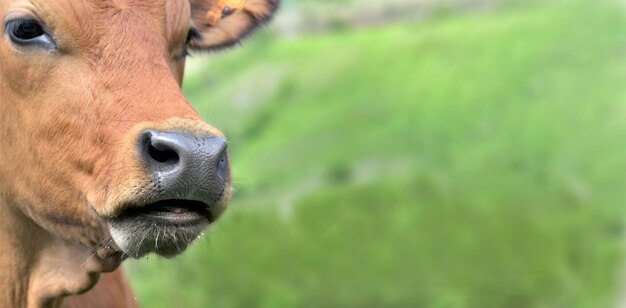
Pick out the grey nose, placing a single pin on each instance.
(185, 165)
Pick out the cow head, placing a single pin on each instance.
(98, 146)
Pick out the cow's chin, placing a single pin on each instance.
(165, 228)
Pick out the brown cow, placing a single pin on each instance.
(101, 156)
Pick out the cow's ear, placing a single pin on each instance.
(222, 23)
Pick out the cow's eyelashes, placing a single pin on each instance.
(29, 32)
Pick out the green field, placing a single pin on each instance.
(464, 161)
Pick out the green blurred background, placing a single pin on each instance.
(414, 153)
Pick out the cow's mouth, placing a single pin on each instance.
(177, 213)
(165, 227)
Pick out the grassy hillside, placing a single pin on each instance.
(473, 161)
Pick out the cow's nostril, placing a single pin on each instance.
(163, 154)
(222, 164)
(160, 152)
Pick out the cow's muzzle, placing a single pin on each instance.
(189, 175)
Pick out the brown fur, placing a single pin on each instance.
(69, 119)
(112, 291)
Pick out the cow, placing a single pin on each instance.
(101, 156)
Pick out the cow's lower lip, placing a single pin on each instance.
(165, 227)
(173, 212)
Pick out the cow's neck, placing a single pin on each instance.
(38, 269)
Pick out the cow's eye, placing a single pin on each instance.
(29, 32)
